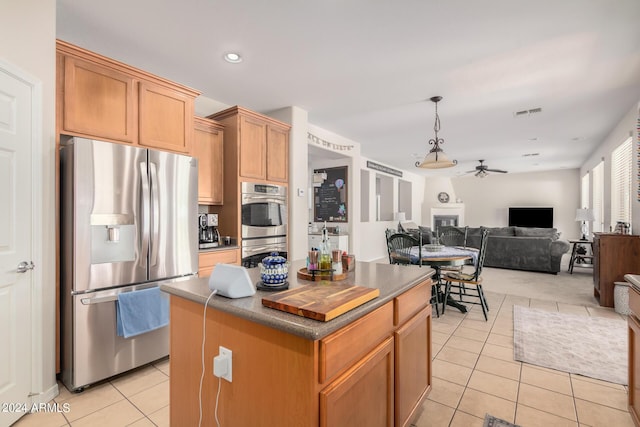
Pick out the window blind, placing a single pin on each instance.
(621, 166)
(598, 197)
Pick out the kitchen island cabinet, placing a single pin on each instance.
(634, 347)
(370, 366)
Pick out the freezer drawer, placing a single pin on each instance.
(92, 351)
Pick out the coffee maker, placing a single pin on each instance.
(208, 231)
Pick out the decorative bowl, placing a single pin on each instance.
(274, 270)
(433, 248)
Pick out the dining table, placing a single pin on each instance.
(443, 256)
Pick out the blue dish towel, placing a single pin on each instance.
(142, 311)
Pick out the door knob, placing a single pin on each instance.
(24, 266)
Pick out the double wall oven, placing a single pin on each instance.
(264, 221)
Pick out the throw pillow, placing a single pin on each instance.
(537, 232)
(427, 234)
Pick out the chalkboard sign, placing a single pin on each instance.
(330, 198)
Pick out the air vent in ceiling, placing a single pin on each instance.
(525, 113)
(530, 154)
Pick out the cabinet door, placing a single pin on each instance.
(253, 148)
(99, 102)
(413, 365)
(634, 368)
(166, 118)
(208, 260)
(277, 154)
(208, 149)
(363, 395)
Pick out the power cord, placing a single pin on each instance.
(204, 335)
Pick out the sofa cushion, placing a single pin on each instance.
(502, 231)
(537, 232)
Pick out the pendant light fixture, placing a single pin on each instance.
(435, 158)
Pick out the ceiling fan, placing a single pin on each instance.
(482, 170)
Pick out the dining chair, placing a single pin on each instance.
(468, 286)
(388, 233)
(453, 236)
(399, 246)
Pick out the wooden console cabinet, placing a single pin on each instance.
(614, 256)
(375, 371)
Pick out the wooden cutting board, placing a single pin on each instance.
(323, 301)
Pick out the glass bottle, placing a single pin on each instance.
(325, 250)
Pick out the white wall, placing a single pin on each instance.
(618, 135)
(487, 199)
(28, 32)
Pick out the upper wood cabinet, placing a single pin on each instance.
(208, 149)
(166, 118)
(100, 98)
(261, 144)
(99, 101)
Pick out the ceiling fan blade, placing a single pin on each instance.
(496, 170)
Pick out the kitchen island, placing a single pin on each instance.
(370, 366)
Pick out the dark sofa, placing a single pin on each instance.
(516, 248)
(521, 248)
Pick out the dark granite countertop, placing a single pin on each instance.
(391, 280)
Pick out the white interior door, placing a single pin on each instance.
(15, 245)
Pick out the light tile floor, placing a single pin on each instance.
(473, 373)
(139, 398)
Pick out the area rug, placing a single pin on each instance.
(491, 421)
(592, 346)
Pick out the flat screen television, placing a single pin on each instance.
(531, 217)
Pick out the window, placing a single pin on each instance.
(621, 166)
(584, 192)
(598, 197)
(584, 196)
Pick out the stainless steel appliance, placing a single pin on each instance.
(208, 231)
(127, 223)
(264, 221)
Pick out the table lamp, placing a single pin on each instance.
(584, 215)
(401, 216)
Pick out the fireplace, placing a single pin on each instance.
(444, 220)
(447, 214)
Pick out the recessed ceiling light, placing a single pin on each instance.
(232, 57)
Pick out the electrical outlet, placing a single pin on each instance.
(222, 364)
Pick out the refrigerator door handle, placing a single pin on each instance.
(98, 300)
(145, 213)
(156, 213)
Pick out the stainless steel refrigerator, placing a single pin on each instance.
(128, 222)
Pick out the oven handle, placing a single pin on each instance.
(248, 251)
(247, 200)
